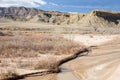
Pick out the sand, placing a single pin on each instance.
(90, 39)
(102, 64)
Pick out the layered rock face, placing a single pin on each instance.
(60, 18)
(18, 11)
(111, 17)
(95, 18)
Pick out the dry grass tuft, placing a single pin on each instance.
(33, 45)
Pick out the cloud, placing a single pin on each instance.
(87, 6)
(26, 3)
(53, 4)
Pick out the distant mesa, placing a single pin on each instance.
(18, 11)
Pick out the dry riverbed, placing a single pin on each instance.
(93, 67)
(101, 64)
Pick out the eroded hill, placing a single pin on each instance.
(95, 18)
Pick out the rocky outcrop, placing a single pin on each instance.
(94, 19)
(18, 13)
(110, 16)
(59, 18)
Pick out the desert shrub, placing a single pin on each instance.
(42, 65)
(8, 74)
(33, 45)
(2, 34)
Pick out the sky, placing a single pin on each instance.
(82, 6)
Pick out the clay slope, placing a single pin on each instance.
(94, 19)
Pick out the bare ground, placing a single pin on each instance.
(102, 64)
